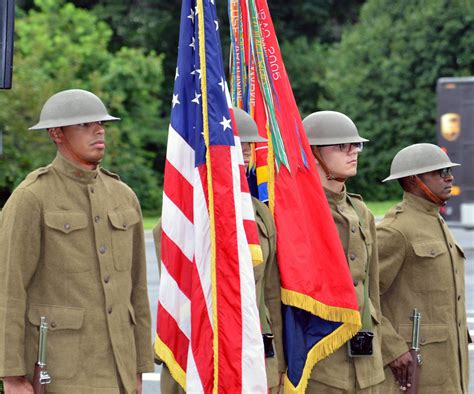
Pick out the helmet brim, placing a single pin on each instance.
(423, 170)
(41, 125)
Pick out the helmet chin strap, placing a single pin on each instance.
(431, 196)
(325, 168)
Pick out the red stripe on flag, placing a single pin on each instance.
(176, 263)
(202, 336)
(179, 190)
(227, 275)
(172, 336)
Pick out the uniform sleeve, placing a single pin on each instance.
(140, 300)
(392, 250)
(157, 239)
(374, 290)
(20, 237)
(273, 303)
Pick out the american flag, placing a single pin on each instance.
(208, 327)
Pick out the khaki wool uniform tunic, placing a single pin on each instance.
(267, 279)
(72, 249)
(340, 373)
(422, 266)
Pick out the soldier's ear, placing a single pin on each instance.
(56, 134)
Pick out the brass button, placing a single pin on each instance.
(356, 282)
(352, 256)
(53, 324)
(353, 228)
(103, 249)
(67, 226)
(92, 189)
(109, 310)
(432, 252)
(125, 225)
(97, 219)
(107, 279)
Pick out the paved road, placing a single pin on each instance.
(151, 384)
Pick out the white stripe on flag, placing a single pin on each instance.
(247, 207)
(253, 361)
(180, 155)
(240, 156)
(202, 251)
(178, 227)
(193, 380)
(175, 302)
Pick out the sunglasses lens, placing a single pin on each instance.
(446, 172)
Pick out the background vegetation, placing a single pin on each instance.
(376, 60)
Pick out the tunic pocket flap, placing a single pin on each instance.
(123, 219)
(132, 315)
(460, 250)
(66, 221)
(58, 317)
(430, 333)
(429, 248)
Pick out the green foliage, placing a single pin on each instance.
(306, 68)
(59, 46)
(383, 75)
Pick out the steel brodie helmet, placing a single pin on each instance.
(330, 128)
(71, 107)
(248, 131)
(418, 159)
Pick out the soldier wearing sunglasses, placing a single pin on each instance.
(422, 266)
(356, 366)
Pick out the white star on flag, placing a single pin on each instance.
(191, 15)
(222, 84)
(196, 98)
(217, 25)
(193, 45)
(175, 100)
(196, 70)
(176, 74)
(225, 123)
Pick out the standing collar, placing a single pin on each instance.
(420, 204)
(335, 198)
(64, 166)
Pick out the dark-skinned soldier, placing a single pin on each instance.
(267, 277)
(422, 266)
(335, 143)
(72, 250)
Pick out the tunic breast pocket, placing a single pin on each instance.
(431, 266)
(66, 241)
(123, 222)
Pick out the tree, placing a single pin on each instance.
(383, 75)
(59, 46)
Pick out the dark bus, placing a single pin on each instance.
(455, 128)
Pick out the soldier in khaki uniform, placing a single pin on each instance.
(267, 276)
(335, 143)
(422, 266)
(72, 250)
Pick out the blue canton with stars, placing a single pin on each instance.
(186, 113)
